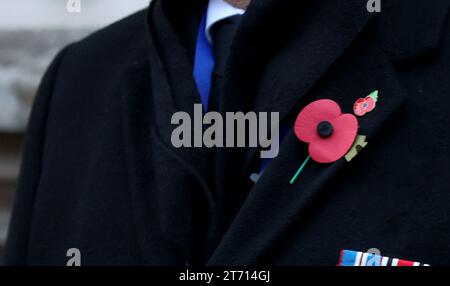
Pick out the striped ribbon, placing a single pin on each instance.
(358, 258)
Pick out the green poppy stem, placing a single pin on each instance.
(299, 170)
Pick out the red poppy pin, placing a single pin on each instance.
(330, 133)
(365, 105)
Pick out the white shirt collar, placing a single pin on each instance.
(219, 10)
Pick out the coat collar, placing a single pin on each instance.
(164, 181)
(173, 87)
(316, 32)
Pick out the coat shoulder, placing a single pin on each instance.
(88, 86)
(111, 48)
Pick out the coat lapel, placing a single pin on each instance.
(270, 78)
(169, 189)
(329, 57)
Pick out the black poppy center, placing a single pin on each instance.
(325, 129)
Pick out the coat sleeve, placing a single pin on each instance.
(17, 243)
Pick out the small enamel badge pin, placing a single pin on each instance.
(330, 133)
(366, 105)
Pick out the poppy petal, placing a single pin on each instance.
(345, 128)
(320, 110)
(359, 108)
(370, 103)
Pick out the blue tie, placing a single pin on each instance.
(203, 64)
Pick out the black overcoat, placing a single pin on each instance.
(100, 173)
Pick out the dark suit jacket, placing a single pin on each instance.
(100, 173)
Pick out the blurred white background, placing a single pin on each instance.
(31, 33)
(26, 14)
